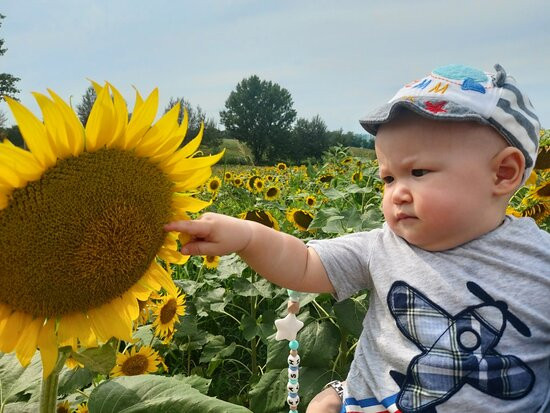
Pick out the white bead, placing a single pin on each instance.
(293, 360)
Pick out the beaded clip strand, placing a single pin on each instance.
(287, 329)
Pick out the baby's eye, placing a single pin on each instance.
(387, 179)
(419, 172)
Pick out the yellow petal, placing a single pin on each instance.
(21, 161)
(186, 151)
(172, 257)
(131, 305)
(33, 132)
(47, 344)
(193, 180)
(141, 292)
(121, 118)
(108, 321)
(156, 136)
(141, 120)
(190, 164)
(187, 203)
(138, 102)
(72, 328)
(26, 346)
(162, 277)
(75, 130)
(13, 326)
(101, 125)
(55, 125)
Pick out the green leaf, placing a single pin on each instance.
(333, 193)
(154, 394)
(249, 327)
(72, 379)
(209, 300)
(216, 348)
(16, 382)
(229, 266)
(319, 343)
(350, 314)
(202, 384)
(244, 288)
(100, 360)
(189, 287)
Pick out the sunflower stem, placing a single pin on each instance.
(48, 392)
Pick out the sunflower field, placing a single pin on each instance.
(122, 321)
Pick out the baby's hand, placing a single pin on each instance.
(213, 234)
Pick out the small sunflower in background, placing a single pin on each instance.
(251, 181)
(281, 166)
(82, 408)
(63, 407)
(72, 363)
(258, 185)
(326, 178)
(136, 362)
(82, 214)
(347, 160)
(301, 219)
(167, 314)
(210, 261)
(311, 200)
(357, 176)
(261, 216)
(270, 178)
(237, 182)
(228, 176)
(213, 185)
(272, 193)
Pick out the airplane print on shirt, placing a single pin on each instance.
(456, 350)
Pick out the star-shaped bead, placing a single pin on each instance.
(288, 327)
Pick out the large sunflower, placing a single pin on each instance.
(82, 214)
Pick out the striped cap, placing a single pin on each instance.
(462, 93)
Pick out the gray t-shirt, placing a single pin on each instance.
(461, 330)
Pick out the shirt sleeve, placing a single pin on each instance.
(346, 261)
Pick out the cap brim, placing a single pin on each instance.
(391, 110)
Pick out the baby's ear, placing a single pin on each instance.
(508, 168)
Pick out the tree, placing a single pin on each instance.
(212, 137)
(7, 81)
(309, 139)
(260, 114)
(84, 108)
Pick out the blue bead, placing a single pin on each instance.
(293, 381)
(293, 345)
(293, 411)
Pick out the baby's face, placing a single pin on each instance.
(437, 180)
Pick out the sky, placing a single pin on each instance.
(338, 60)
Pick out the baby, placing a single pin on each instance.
(458, 317)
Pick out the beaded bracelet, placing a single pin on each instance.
(287, 329)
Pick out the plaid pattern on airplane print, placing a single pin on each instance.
(455, 350)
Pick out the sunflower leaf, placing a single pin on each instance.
(19, 383)
(154, 394)
(72, 379)
(100, 360)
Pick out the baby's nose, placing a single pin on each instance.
(401, 194)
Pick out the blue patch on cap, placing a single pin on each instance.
(471, 84)
(460, 72)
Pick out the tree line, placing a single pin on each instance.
(258, 113)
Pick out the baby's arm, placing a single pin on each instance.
(280, 258)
